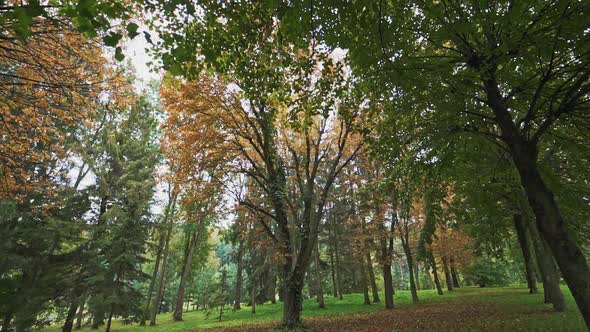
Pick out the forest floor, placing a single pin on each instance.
(465, 309)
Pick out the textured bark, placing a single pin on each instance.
(333, 272)
(161, 285)
(525, 245)
(338, 276)
(253, 291)
(417, 274)
(240, 267)
(454, 274)
(410, 261)
(386, 242)
(69, 322)
(192, 247)
(435, 274)
(549, 220)
(161, 241)
(319, 289)
(447, 273)
(109, 321)
(80, 315)
(364, 281)
(293, 303)
(388, 286)
(372, 280)
(549, 272)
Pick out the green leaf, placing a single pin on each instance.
(24, 22)
(119, 54)
(176, 69)
(132, 30)
(112, 39)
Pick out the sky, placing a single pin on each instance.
(135, 53)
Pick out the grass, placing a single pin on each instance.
(465, 309)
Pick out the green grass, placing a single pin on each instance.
(509, 308)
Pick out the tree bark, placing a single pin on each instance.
(177, 316)
(410, 261)
(435, 274)
(109, 321)
(161, 286)
(80, 315)
(386, 256)
(454, 274)
(549, 272)
(549, 220)
(69, 322)
(364, 281)
(319, 289)
(447, 274)
(333, 272)
(253, 295)
(525, 245)
(417, 274)
(338, 274)
(238, 290)
(372, 280)
(293, 298)
(388, 286)
(146, 312)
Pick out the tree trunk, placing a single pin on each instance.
(372, 280)
(238, 290)
(146, 312)
(364, 281)
(417, 275)
(435, 274)
(253, 295)
(549, 272)
(454, 274)
(108, 329)
(388, 286)
(177, 316)
(333, 271)
(161, 286)
(80, 315)
(549, 220)
(69, 322)
(410, 261)
(319, 289)
(447, 274)
(338, 276)
(525, 245)
(293, 298)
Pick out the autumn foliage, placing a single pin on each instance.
(51, 84)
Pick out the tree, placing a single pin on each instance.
(516, 74)
(40, 106)
(52, 88)
(264, 136)
(125, 163)
(522, 68)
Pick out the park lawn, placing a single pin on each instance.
(465, 309)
